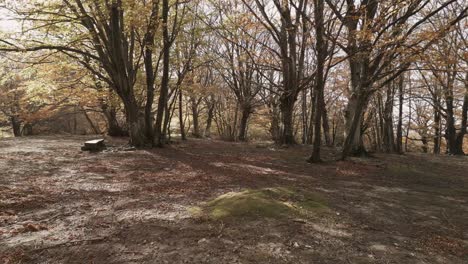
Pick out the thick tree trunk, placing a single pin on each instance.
(354, 144)
(245, 115)
(16, 126)
(388, 136)
(136, 126)
(287, 130)
(451, 131)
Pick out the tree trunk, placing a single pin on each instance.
(326, 126)
(246, 111)
(451, 131)
(354, 144)
(148, 62)
(16, 126)
(162, 102)
(313, 100)
(437, 123)
(305, 119)
(388, 136)
(209, 120)
(425, 147)
(195, 117)
(399, 137)
(464, 122)
(410, 112)
(114, 128)
(181, 117)
(136, 126)
(166, 123)
(287, 112)
(319, 82)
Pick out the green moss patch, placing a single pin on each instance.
(261, 203)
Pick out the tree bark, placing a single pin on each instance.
(149, 70)
(326, 126)
(354, 144)
(136, 126)
(209, 119)
(195, 117)
(320, 81)
(399, 137)
(305, 118)
(245, 115)
(464, 122)
(181, 117)
(162, 102)
(287, 112)
(437, 123)
(451, 136)
(16, 126)
(388, 136)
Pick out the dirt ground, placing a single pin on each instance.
(61, 205)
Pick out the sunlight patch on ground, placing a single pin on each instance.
(390, 189)
(250, 168)
(379, 247)
(331, 231)
(143, 214)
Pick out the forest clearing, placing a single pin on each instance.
(61, 205)
(234, 131)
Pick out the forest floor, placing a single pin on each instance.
(204, 201)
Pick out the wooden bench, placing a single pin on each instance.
(94, 145)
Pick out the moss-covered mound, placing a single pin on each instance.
(268, 202)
